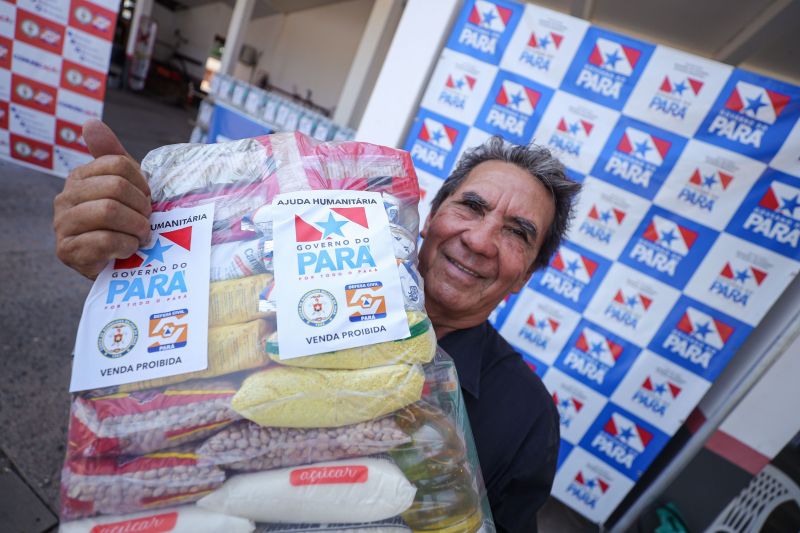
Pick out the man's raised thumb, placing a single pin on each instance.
(100, 140)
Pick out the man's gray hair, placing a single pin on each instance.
(539, 163)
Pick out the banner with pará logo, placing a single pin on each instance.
(687, 229)
(54, 57)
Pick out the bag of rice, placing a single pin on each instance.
(369, 436)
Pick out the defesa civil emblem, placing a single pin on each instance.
(317, 308)
(117, 338)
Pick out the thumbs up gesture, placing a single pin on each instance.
(103, 212)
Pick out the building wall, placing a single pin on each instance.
(166, 28)
(766, 419)
(309, 49)
(264, 35)
(198, 25)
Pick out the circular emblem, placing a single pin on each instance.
(24, 91)
(74, 77)
(23, 149)
(68, 135)
(317, 308)
(83, 15)
(30, 28)
(117, 338)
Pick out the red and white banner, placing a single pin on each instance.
(54, 57)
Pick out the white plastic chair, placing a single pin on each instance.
(748, 512)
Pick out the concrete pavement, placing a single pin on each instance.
(41, 302)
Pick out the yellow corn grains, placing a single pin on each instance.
(230, 349)
(415, 349)
(309, 398)
(236, 301)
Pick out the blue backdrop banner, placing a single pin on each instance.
(229, 124)
(687, 229)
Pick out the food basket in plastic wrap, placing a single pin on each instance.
(370, 438)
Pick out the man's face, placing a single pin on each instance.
(481, 243)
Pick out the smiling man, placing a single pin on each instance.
(498, 218)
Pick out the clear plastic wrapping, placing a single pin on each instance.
(367, 439)
(142, 422)
(124, 484)
(247, 446)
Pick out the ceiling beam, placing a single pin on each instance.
(582, 9)
(242, 13)
(770, 23)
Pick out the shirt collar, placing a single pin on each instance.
(466, 347)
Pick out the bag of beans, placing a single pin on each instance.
(247, 446)
(127, 484)
(151, 420)
(359, 438)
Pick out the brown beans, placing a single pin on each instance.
(143, 422)
(125, 485)
(247, 446)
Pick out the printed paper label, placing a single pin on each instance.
(329, 475)
(146, 316)
(337, 284)
(160, 523)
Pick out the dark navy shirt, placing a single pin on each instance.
(514, 422)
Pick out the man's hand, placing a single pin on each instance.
(103, 212)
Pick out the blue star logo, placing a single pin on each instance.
(331, 226)
(517, 99)
(605, 216)
(544, 42)
(591, 483)
(460, 84)
(572, 266)
(754, 104)
(679, 88)
(565, 403)
(612, 59)
(626, 434)
(541, 324)
(660, 388)
(488, 17)
(632, 301)
(642, 148)
(436, 136)
(596, 348)
(790, 204)
(742, 275)
(667, 237)
(573, 128)
(156, 253)
(702, 330)
(709, 181)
